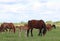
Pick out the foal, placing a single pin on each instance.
(22, 28)
(49, 27)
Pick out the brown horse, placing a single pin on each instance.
(22, 28)
(49, 27)
(6, 26)
(38, 24)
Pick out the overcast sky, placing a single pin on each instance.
(24, 10)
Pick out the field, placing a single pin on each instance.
(53, 35)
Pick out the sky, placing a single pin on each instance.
(24, 10)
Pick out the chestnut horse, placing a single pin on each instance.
(49, 26)
(22, 28)
(5, 26)
(38, 24)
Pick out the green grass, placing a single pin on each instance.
(53, 35)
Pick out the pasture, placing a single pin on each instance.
(53, 35)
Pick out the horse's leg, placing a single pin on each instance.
(25, 32)
(31, 32)
(12, 30)
(9, 30)
(19, 31)
(28, 32)
(44, 31)
(3, 30)
(40, 32)
(6, 30)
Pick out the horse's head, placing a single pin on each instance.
(1, 29)
(54, 26)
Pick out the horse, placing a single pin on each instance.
(49, 27)
(37, 24)
(22, 28)
(6, 26)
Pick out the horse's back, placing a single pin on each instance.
(7, 25)
(36, 23)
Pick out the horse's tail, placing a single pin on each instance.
(44, 29)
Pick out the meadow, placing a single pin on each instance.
(53, 35)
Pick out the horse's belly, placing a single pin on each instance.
(36, 27)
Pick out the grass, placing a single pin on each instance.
(53, 35)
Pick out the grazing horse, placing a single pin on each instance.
(38, 24)
(22, 28)
(49, 26)
(6, 26)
